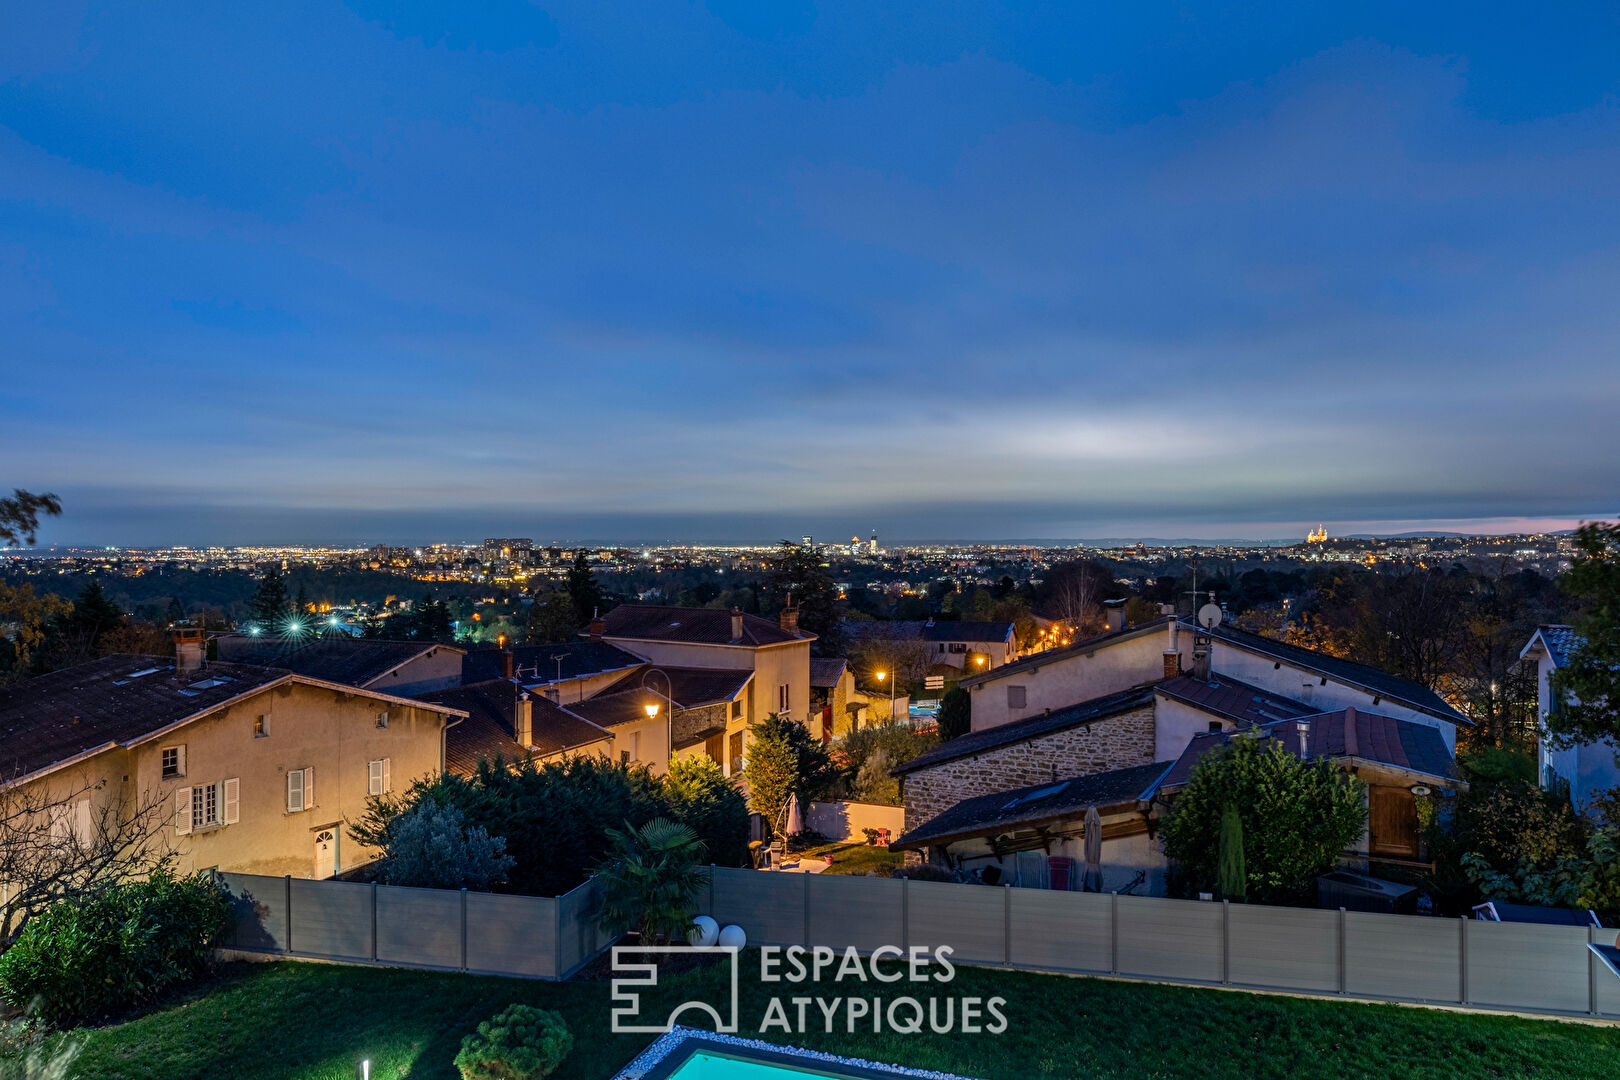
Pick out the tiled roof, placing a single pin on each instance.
(825, 672)
(1079, 648)
(351, 661)
(1364, 675)
(536, 665)
(1561, 642)
(977, 742)
(690, 725)
(697, 626)
(690, 687)
(1345, 734)
(1230, 698)
(487, 732)
(1037, 804)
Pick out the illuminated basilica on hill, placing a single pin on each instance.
(1317, 535)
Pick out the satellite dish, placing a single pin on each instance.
(1209, 616)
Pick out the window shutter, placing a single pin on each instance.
(374, 778)
(309, 788)
(81, 826)
(232, 798)
(295, 790)
(182, 758)
(388, 779)
(182, 811)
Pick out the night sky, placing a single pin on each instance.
(734, 271)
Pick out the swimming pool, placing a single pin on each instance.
(688, 1054)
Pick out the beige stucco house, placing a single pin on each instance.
(255, 769)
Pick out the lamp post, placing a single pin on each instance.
(652, 708)
(881, 677)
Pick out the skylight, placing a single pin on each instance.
(1036, 795)
(143, 671)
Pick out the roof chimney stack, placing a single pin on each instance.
(189, 647)
(789, 617)
(1304, 727)
(736, 623)
(523, 720)
(597, 626)
(1115, 610)
(506, 664)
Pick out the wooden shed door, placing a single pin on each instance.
(1393, 822)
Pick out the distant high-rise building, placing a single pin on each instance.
(808, 541)
(871, 546)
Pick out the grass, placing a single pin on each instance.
(295, 1021)
(856, 857)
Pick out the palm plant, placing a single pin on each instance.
(651, 879)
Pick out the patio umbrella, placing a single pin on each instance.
(794, 825)
(1093, 878)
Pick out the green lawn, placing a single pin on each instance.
(858, 857)
(293, 1021)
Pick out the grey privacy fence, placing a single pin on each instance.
(1545, 969)
(528, 936)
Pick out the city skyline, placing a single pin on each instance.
(720, 273)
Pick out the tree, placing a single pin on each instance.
(60, 845)
(1296, 817)
(19, 516)
(784, 762)
(432, 847)
(1232, 878)
(1587, 688)
(30, 617)
(79, 631)
(583, 591)
(651, 879)
(701, 796)
(955, 714)
(269, 607)
(796, 573)
(551, 619)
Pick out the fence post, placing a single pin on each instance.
(1591, 972)
(1006, 923)
(1344, 976)
(556, 939)
(905, 915)
(1226, 943)
(463, 929)
(373, 922)
(1113, 933)
(1462, 960)
(288, 881)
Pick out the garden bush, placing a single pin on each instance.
(119, 949)
(518, 1043)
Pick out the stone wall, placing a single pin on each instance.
(1114, 742)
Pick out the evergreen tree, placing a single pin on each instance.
(301, 605)
(551, 619)
(430, 621)
(796, 573)
(784, 760)
(583, 591)
(1232, 879)
(955, 714)
(269, 606)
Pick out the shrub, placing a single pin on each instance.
(1296, 818)
(651, 881)
(91, 958)
(431, 847)
(955, 714)
(703, 798)
(867, 754)
(518, 1043)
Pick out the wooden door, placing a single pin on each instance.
(1393, 822)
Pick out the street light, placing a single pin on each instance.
(652, 710)
(881, 676)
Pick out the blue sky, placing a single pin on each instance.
(734, 271)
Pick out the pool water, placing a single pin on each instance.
(715, 1067)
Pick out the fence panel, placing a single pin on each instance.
(512, 935)
(581, 938)
(1169, 939)
(1523, 966)
(1283, 948)
(970, 919)
(1607, 986)
(331, 919)
(419, 926)
(1402, 956)
(1062, 931)
(259, 918)
(769, 913)
(860, 911)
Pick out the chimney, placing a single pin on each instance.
(789, 618)
(597, 626)
(1304, 728)
(1115, 610)
(736, 624)
(1172, 663)
(506, 664)
(188, 648)
(523, 720)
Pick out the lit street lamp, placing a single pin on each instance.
(881, 676)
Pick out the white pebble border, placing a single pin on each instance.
(665, 1044)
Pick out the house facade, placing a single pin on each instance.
(255, 770)
(1588, 768)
